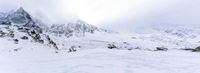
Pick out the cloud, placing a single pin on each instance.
(163, 12)
(121, 15)
(51, 11)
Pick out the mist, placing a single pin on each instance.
(159, 13)
(49, 11)
(119, 15)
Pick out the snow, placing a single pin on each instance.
(88, 36)
(133, 53)
(100, 61)
(95, 57)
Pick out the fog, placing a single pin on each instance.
(51, 11)
(119, 15)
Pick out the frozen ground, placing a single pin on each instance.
(100, 61)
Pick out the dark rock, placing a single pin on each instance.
(197, 49)
(126, 43)
(2, 34)
(16, 41)
(189, 49)
(51, 42)
(16, 49)
(111, 46)
(130, 49)
(79, 46)
(24, 37)
(5, 23)
(161, 49)
(56, 52)
(137, 48)
(33, 32)
(72, 49)
(41, 41)
(11, 34)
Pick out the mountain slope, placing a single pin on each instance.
(80, 35)
(24, 27)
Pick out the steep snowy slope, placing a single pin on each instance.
(16, 38)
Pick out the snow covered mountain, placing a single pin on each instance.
(19, 28)
(21, 18)
(27, 45)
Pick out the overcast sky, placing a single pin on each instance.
(114, 14)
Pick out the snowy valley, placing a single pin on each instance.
(31, 46)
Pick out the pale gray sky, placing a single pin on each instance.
(114, 14)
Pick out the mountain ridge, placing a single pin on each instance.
(20, 27)
(22, 18)
(81, 35)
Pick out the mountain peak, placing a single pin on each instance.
(21, 9)
(20, 16)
